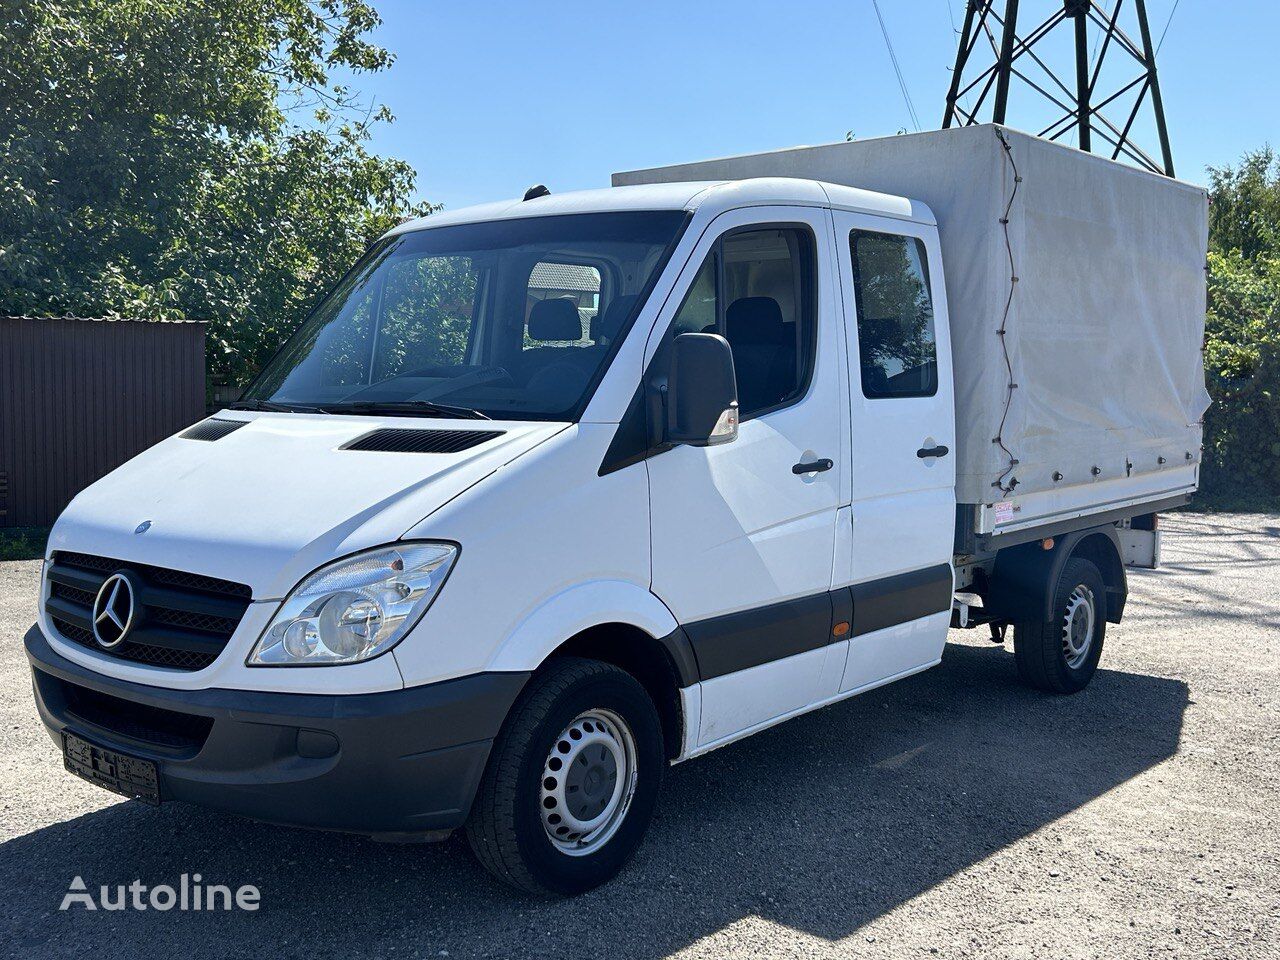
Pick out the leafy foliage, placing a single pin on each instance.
(427, 309)
(420, 306)
(1242, 336)
(23, 543)
(189, 159)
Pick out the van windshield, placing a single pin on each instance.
(511, 319)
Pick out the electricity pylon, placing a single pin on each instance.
(1018, 54)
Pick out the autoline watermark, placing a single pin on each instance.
(190, 893)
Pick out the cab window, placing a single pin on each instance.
(895, 315)
(757, 290)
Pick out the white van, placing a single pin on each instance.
(548, 494)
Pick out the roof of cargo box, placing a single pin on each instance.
(707, 196)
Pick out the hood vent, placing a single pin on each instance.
(213, 429)
(392, 440)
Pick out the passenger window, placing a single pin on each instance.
(566, 322)
(757, 290)
(895, 316)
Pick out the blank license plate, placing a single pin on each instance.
(117, 772)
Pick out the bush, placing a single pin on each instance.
(23, 543)
(1242, 337)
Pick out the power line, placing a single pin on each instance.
(1097, 36)
(1167, 24)
(896, 68)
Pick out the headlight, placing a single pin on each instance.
(355, 608)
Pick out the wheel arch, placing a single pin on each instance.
(616, 622)
(1023, 581)
(1102, 548)
(655, 663)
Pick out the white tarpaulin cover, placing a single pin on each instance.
(1106, 324)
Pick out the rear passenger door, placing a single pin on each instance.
(898, 543)
(743, 533)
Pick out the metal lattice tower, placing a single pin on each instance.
(1017, 55)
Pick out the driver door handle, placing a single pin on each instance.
(926, 452)
(813, 466)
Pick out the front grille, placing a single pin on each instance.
(182, 620)
(137, 721)
(83, 597)
(161, 575)
(223, 626)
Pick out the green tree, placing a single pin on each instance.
(191, 159)
(1242, 335)
(1244, 212)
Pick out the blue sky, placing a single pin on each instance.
(491, 97)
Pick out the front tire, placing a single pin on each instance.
(572, 782)
(1061, 655)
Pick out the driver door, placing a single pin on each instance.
(744, 533)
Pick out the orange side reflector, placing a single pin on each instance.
(1047, 543)
(840, 629)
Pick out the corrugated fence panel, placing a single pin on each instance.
(80, 397)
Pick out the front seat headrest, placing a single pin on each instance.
(606, 325)
(755, 320)
(555, 319)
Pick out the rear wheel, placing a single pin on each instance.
(572, 781)
(1061, 655)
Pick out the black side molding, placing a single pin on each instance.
(887, 602)
(748, 638)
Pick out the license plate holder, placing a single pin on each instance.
(112, 770)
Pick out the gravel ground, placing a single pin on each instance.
(954, 814)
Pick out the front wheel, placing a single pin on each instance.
(1060, 655)
(572, 781)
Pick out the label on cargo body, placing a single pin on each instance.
(1005, 511)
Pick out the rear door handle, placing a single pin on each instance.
(925, 453)
(813, 466)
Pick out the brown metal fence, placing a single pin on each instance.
(80, 397)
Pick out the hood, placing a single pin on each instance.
(272, 500)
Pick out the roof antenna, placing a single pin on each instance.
(536, 191)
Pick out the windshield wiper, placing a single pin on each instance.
(272, 406)
(406, 408)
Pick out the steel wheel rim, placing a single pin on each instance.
(588, 782)
(1078, 626)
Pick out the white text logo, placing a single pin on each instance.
(189, 894)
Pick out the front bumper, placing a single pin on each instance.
(399, 765)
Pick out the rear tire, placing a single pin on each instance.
(1061, 655)
(572, 782)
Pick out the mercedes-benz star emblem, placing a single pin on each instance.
(113, 611)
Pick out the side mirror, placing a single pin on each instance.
(702, 391)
